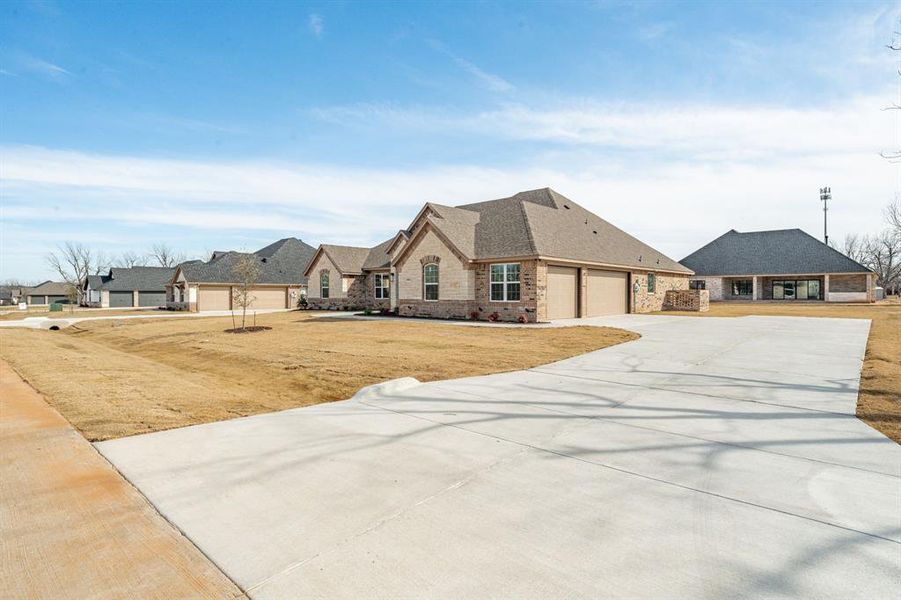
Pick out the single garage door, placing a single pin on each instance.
(562, 292)
(120, 299)
(268, 298)
(607, 293)
(212, 298)
(151, 298)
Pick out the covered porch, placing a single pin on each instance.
(822, 287)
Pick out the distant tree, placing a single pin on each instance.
(247, 272)
(73, 262)
(894, 46)
(130, 259)
(880, 252)
(165, 256)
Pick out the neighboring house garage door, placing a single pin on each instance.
(562, 292)
(268, 298)
(151, 298)
(214, 298)
(119, 299)
(54, 299)
(607, 293)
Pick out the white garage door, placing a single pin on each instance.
(562, 292)
(607, 293)
(214, 298)
(268, 298)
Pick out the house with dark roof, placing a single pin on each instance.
(49, 292)
(200, 286)
(534, 256)
(126, 287)
(780, 265)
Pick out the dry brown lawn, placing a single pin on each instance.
(117, 378)
(879, 400)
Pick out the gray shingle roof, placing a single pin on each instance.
(348, 259)
(49, 288)
(544, 223)
(145, 279)
(282, 262)
(778, 252)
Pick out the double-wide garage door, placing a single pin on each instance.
(219, 298)
(606, 293)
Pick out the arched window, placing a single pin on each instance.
(430, 282)
(323, 284)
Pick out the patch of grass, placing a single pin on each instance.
(118, 378)
(879, 400)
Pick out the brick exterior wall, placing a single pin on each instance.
(480, 305)
(692, 300)
(643, 302)
(848, 283)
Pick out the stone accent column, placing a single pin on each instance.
(826, 288)
(755, 294)
(135, 300)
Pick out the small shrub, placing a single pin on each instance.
(384, 311)
(367, 311)
(474, 315)
(493, 317)
(522, 319)
(302, 303)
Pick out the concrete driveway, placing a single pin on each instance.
(712, 457)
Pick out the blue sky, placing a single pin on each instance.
(229, 125)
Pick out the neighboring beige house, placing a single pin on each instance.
(50, 292)
(535, 256)
(210, 285)
(127, 287)
(779, 265)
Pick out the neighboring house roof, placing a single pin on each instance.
(50, 288)
(541, 223)
(282, 262)
(778, 252)
(127, 279)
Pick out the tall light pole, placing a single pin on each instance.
(825, 197)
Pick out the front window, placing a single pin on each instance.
(323, 285)
(382, 284)
(742, 287)
(697, 284)
(796, 289)
(652, 283)
(430, 282)
(505, 283)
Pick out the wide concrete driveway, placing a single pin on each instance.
(712, 457)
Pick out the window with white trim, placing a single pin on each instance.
(430, 282)
(323, 285)
(382, 283)
(505, 283)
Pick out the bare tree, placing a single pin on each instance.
(892, 214)
(130, 259)
(893, 156)
(165, 256)
(853, 248)
(73, 262)
(247, 272)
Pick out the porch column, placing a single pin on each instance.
(826, 288)
(755, 295)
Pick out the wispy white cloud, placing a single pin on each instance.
(493, 82)
(42, 67)
(709, 132)
(316, 25)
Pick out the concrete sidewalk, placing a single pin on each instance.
(711, 458)
(73, 527)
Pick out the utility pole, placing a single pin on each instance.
(825, 197)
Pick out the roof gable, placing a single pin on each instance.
(776, 252)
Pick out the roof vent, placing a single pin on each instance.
(595, 232)
(639, 258)
(566, 206)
